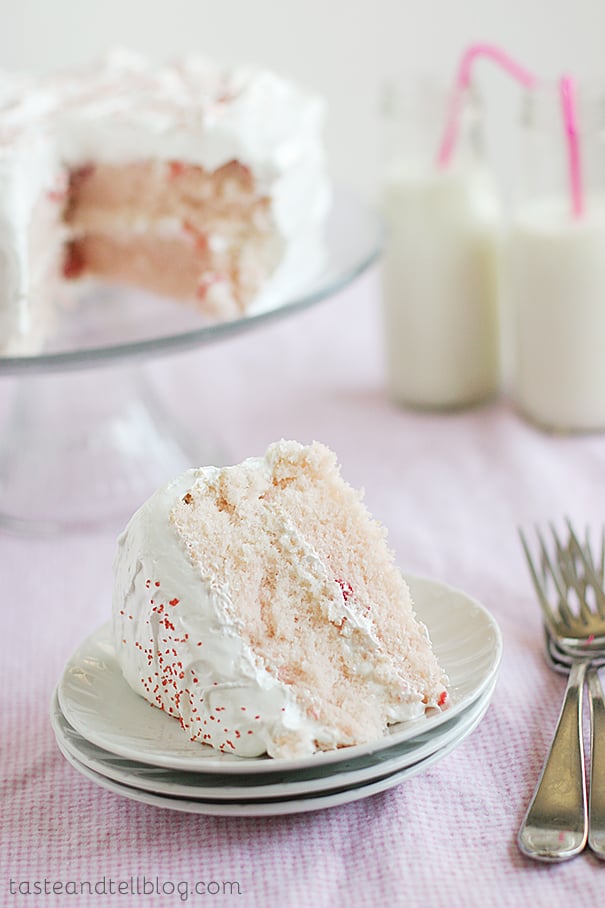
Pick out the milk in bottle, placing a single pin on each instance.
(556, 275)
(441, 263)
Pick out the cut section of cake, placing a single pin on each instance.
(186, 179)
(175, 229)
(260, 606)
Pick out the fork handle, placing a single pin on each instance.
(596, 810)
(555, 826)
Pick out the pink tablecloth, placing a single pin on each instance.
(451, 489)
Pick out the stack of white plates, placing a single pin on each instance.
(113, 737)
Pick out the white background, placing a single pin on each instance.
(344, 49)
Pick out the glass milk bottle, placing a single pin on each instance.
(440, 279)
(556, 279)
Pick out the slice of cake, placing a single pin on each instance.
(187, 180)
(260, 606)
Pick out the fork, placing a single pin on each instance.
(592, 579)
(555, 826)
(560, 662)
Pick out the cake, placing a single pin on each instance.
(260, 606)
(186, 179)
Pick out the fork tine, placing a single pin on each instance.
(596, 584)
(547, 566)
(588, 551)
(555, 573)
(562, 552)
(538, 586)
(598, 559)
(572, 534)
(579, 552)
(559, 545)
(587, 547)
(580, 582)
(596, 562)
(580, 586)
(585, 556)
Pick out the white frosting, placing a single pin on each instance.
(235, 687)
(193, 111)
(225, 695)
(27, 166)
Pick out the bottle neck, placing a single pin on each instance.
(544, 171)
(414, 119)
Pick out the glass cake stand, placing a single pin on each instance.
(86, 438)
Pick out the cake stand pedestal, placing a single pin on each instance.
(80, 451)
(83, 449)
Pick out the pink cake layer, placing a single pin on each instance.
(174, 229)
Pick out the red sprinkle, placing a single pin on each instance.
(176, 169)
(442, 698)
(347, 589)
(74, 264)
(174, 602)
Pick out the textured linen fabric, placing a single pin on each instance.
(451, 490)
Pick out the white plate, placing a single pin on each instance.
(99, 704)
(261, 785)
(269, 808)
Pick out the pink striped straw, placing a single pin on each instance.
(568, 104)
(461, 84)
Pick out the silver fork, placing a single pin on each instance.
(592, 580)
(571, 596)
(561, 662)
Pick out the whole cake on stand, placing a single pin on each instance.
(185, 179)
(147, 209)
